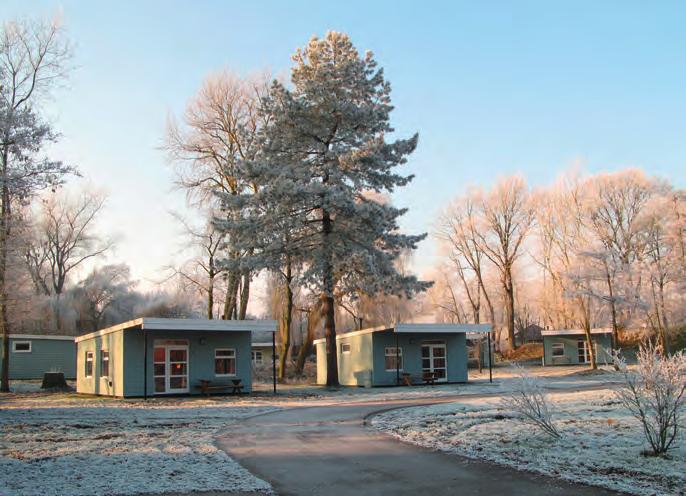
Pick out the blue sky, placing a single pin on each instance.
(493, 88)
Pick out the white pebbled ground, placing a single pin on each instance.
(601, 442)
(69, 445)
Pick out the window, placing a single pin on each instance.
(558, 349)
(89, 364)
(394, 359)
(21, 346)
(104, 363)
(257, 357)
(225, 362)
(345, 347)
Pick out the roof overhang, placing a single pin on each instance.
(573, 332)
(186, 325)
(42, 336)
(418, 329)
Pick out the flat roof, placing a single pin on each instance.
(573, 332)
(187, 325)
(42, 336)
(417, 329)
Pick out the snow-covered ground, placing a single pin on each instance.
(64, 444)
(601, 442)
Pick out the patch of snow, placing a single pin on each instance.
(66, 444)
(601, 443)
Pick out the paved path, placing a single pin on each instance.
(327, 450)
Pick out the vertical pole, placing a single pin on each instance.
(490, 359)
(397, 361)
(145, 364)
(274, 361)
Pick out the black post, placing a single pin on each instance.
(490, 359)
(145, 365)
(397, 361)
(274, 361)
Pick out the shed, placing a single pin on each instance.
(569, 347)
(31, 355)
(154, 356)
(380, 356)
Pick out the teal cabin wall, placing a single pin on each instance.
(201, 349)
(603, 345)
(46, 355)
(411, 344)
(98, 383)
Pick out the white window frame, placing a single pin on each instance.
(90, 356)
(223, 357)
(102, 362)
(15, 343)
(557, 346)
(253, 357)
(345, 351)
(393, 354)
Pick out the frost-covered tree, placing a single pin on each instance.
(324, 149)
(33, 56)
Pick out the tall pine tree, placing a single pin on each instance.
(321, 156)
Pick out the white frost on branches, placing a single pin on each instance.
(655, 393)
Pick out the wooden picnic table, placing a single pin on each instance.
(429, 378)
(207, 385)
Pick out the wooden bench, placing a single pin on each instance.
(207, 386)
(406, 379)
(429, 378)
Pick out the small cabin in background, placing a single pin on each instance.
(390, 355)
(32, 355)
(569, 347)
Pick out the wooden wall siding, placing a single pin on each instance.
(47, 355)
(571, 351)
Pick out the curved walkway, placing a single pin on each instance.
(327, 450)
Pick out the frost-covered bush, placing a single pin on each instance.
(530, 402)
(654, 393)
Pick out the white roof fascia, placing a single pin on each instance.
(262, 345)
(42, 336)
(573, 332)
(187, 325)
(442, 328)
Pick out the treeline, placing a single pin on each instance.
(602, 250)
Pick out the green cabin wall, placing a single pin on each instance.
(46, 355)
(355, 367)
(267, 354)
(571, 351)
(98, 384)
(320, 352)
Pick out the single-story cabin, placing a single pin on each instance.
(388, 355)
(154, 356)
(569, 347)
(32, 355)
(262, 354)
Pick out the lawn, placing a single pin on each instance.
(601, 442)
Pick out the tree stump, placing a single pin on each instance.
(54, 380)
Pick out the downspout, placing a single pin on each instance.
(397, 361)
(145, 364)
(274, 361)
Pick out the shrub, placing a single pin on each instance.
(529, 400)
(654, 393)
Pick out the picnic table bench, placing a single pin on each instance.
(429, 378)
(206, 386)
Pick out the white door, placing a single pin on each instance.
(434, 359)
(170, 369)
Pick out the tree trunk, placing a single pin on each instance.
(231, 293)
(509, 308)
(245, 295)
(328, 305)
(665, 323)
(4, 238)
(613, 306)
(286, 321)
(586, 311)
(313, 319)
